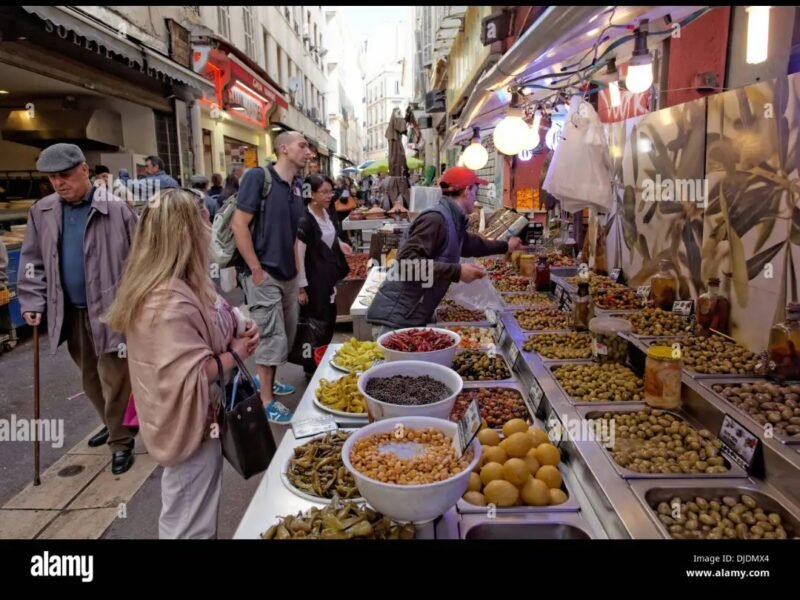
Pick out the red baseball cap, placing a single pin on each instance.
(459, 178)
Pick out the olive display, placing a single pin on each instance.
(474, 365)
(654, 322)
(513, 284)
(609, 348)
(721, 518)
(560, 346)
(600, 383)
(654, 441)
(715, 354)
(542, 319)
(534, 299)
(596, 283)
(767, 403)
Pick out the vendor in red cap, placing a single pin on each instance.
(438, 237)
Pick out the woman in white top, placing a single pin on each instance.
(321, 253)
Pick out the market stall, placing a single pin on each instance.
(572, 443)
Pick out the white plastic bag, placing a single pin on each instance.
(580, 171)
(227, 279)
(478, 295)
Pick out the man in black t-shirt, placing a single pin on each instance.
(270, 253)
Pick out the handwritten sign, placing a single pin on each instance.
(683, 307)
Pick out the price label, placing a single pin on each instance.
(468, 426)
(738, 444)
(614, 276)
(499, 330)
(513, 355)
(536, 394)
(643, 291)
(491, 316)
(313, 426)
(683, 307)
(598, 348)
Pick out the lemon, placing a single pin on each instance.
(550, 476)
(531, 460)
(516, 471)
(501, 493)
(518, 444)
(535, 493)
(514, 426)
(547, 454)
(494, 454)
(539, 436)
(557, 497)
(488, 437)
(475, 484)
(490, 472)
(475, 498)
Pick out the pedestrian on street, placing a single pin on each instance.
(156, 180)
(216, 185)
(176, 326)
(231, 187)
(321, 252)
(72, 259)
(200, 183)
(270, 253)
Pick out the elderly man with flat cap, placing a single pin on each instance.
(72, 259)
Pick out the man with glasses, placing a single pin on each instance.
(72, 259)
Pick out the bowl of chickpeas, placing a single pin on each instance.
(408, 468)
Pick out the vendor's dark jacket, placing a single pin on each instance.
(439, 234)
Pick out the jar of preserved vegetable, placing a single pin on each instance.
(607, 345)
(543, 275)
(664, 287)
(784, 347)
(713, 309)
(582, 308)
(662, 377)
(527, 265)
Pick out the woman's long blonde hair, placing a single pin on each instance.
(171, 242)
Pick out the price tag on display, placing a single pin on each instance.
(314, 426)
(468, 426)
(491, 316)
(535, 397)
(738, 444)
(643, 291)
(614, 276)
(683, 307)
(513, 355)
(499, 330)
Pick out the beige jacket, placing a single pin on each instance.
(167, 353)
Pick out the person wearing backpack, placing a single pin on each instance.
(264, 228)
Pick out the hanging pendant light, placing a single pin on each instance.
(611, 77)
(475, 156)
(640, 68)
(509, 134)
(757, 34)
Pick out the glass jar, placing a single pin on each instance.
(607, 345)
(713, 309)
(664, 287)
(582, 308)
(543, 275)
(662, 378)
(784, 347)
(527, 265)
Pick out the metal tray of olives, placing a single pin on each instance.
(545, 360)
(588, 412)
(651, 494)
(628, 403)
(510, 379)
(484, 323)
(746, 419)
(564, 271)
(505, 384)
(508, 306)
(651, 341)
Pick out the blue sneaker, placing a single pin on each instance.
(282, 389)
(278, 413)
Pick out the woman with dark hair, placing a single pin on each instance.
(231, 187)
(321, 253)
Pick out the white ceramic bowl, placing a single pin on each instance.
(378, 410)
(415, 503)
(440, 357)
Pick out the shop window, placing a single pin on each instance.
(167, 143)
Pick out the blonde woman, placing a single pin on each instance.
(175, 324)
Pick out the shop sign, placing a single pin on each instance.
(256, 84)
(495, 28)
(631, 105)
(254, 109)
(436, 101)
(180, 50)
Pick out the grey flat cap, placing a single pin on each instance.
(59, 157)
(198, 180)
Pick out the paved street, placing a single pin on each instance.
(86, 503)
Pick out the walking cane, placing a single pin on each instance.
(36, 480)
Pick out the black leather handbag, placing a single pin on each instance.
(244, 431)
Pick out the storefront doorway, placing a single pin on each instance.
(237, 151)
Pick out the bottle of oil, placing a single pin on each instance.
(582, 308)
(543, 275)
(664, 287)
(714, 309)
(784, 347)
